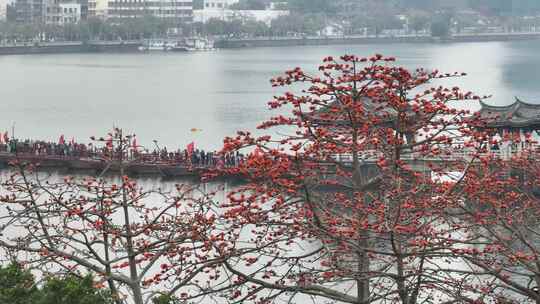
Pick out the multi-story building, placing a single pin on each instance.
(98, 8)
(63, 13)
(175, 10)
(265, 16)
(48, 11)
(220, 9)
(3, 12)
(73, 11)
(27, 11)
(218, 4)
(11, 13)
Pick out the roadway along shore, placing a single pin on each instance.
(133, 45)
(300, 41)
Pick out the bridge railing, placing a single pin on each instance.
(139, 159)
(461, 154)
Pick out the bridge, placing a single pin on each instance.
(180, 168)
(457, 155)
(100, 166)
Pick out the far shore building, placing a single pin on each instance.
(174, 10)
(3, 13)
(57, 12)
(28, 11)
(265, 16)
(219, 9)
(98, 8)
(61, 13)
(218, 4)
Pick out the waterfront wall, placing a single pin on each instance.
(132, 46)
(279, 42)
(70, 47)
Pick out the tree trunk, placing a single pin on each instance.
(362, 284)
(137, 293)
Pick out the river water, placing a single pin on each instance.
(163, 96)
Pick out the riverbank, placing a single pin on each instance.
(132, 46)
(306, 41)
(70, 47)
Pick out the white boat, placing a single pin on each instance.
(192, 44)
(195, 44)
(156, 45)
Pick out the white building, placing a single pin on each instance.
(3, 9)
(70, 13)
(60, 13)
(265, 16)
(98, 8)
(179, 10)
(218, 4)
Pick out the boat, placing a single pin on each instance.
(194, 44)
(182, 48)
(156, 45)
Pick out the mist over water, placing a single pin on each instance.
(164, 95)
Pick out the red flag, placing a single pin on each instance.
(61, 140)
(517, 136)
(191, 147)
(109, 142)
(6, 137)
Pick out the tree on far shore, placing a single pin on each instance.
(418, 21)
(440, 26)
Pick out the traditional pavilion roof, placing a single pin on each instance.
(519, 115)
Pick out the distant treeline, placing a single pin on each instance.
(152, 27)
(330, 7)
(307, 18)
(91, 29)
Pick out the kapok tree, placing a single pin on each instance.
(138, 242)
(502, 217)
(340, 204)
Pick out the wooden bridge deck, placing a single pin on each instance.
(100, 166)
(93, 166)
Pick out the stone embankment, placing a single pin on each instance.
(132, 46)
(304, 41)
(70, 47)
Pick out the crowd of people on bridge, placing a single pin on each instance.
(74, 150)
